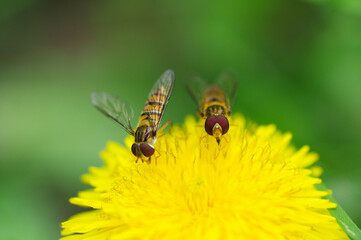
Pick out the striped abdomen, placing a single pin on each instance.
(154, 108)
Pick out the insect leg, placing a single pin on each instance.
(161, 135)
(165, 125)
(203, 137)
(156, 158)
(136, 161)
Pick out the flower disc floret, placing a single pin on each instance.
(254, 185)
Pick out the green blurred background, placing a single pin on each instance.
(299, 64)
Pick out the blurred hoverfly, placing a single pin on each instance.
(214, 101)
(120, 111)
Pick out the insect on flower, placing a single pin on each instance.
(214, 102)
(120, 111)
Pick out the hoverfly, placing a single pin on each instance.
(121, 112)
(214, 102)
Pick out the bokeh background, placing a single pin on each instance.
(299, 64)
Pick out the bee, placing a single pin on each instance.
(214, 102)
(145, 135)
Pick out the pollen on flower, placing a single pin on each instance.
(254, 185)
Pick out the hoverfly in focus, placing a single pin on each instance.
(214, 102)
(120, 111)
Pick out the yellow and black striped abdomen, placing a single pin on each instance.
(154, 108)
(214, 102)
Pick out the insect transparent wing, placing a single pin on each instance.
(196, 86)
(228, 82)
(115, 108)
(160, 94)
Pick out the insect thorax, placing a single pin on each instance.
(144, 134)
(215, 110)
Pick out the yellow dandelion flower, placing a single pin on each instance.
(255, 185)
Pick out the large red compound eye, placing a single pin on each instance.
(223, 122)
(209, 124)
(146, 149)
(134, 149)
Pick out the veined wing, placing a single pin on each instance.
(228, 82)
(196, 86)
(158, 99)
(115, 108)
